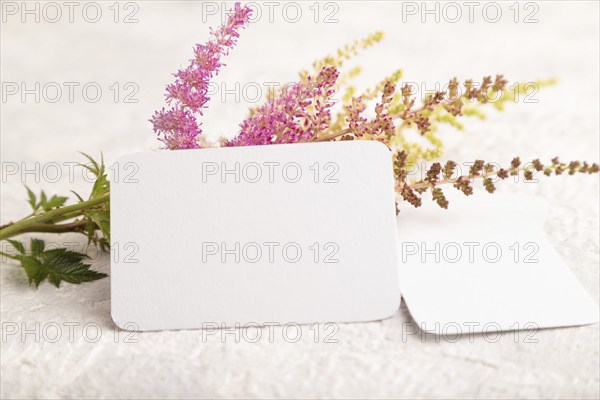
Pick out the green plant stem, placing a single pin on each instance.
(8, 255)
(58, 214)
(58, 228)
(65, 217)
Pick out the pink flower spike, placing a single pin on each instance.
(298, 113)
(177, 127)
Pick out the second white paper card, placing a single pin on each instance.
(485, 265)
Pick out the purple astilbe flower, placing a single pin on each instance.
(177, 127)
(299, 113)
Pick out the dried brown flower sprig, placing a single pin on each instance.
(437, 175)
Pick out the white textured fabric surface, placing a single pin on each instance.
(379, 359)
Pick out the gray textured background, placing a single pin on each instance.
(370, 359)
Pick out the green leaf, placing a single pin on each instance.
(34, 269)
(104, 244)
(56, 265)
(66, 265)
(32, 200)
(90, 229)
(62, 256)
(53, 202)
(98, 218)
(78, 196)
(18, 246)
(73, 273)
(101, 169)
(100, 187)
(95, 168)
(54, 279)
(45, 203)
(43, 199)
(37, 246)
(102, 219)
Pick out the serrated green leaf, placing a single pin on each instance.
(100, 187)
(90, 228)
(101, 169)
(39, 277)
(78, 196)
(62, 256)
(37, 246)
(53, 202)
(33, 269)
(102, 219)
(43, 199)
(104, 244)
(32, 200)
(73, 273)
(92, 170)
(54, 279)
(56, 265)
(18, 246)
(95, 168)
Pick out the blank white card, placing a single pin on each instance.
(254, 235)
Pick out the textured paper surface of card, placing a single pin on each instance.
(267, 234)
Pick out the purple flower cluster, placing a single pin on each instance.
(297, 114)
(177, 127)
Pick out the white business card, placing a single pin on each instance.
(485, 265)
(254, 235)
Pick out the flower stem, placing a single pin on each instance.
(35, 224)
(403, 115)
(55, 228)
(489, 174)
(8, 255)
